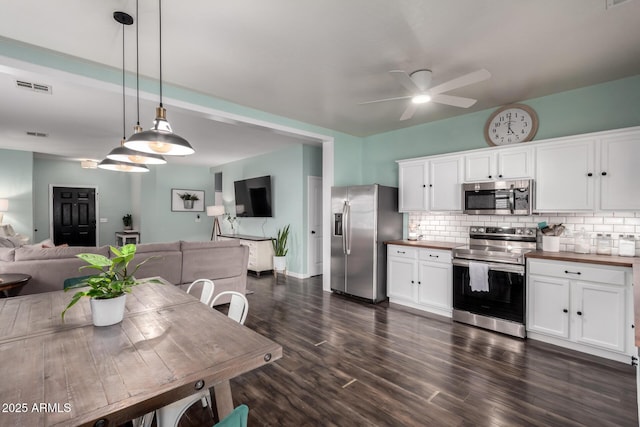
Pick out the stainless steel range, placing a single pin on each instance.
(489, 278)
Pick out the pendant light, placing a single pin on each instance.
(160, 139)
(122, 153)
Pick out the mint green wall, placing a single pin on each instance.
(113, 201)
(289, 169)
(601, 107)
(158, 223)
(16, 184)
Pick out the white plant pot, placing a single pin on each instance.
(108, 312)
(279, 263)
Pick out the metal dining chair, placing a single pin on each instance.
(206, 291)
(238, 307)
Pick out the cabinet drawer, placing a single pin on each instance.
(402, 251)
(579, 271)
(435, 256)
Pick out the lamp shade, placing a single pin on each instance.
(114, 165)
(215, 210)
(4, 205)
(124, 154)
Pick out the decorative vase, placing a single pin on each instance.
(108, 312)
(188, 204)
(279, 263)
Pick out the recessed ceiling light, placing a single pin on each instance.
(37, 134)
(612, 3)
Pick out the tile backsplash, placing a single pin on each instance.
(454, 227)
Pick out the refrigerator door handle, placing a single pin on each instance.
(346, 232)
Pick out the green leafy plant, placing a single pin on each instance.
(188, 196)
(115, 278)
(127, 220)
(280, 243)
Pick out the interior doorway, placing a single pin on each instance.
(314, 214)
(73, 212)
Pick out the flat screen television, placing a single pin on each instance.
(253, 197)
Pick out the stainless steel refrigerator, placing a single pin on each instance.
(362, 218)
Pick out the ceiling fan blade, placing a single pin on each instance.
(408, 113)
(385, 99)
(405, 80)
(467, 79)
(456, 101)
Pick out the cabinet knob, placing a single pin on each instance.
(564, 310)
(499, 176)
(579, 313)
(604, 173)
(589, 174)
(412, 281)
(419, 282)
(424, 185)
(430, 185)
(489, 176)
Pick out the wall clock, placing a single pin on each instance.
(511, 124)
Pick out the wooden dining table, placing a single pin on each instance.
(71, 373)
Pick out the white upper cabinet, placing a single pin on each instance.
(565, 176)
(444, 184)
(589, 173)
(498, 164)
(619, 173)
(412, 191)
(430, 185)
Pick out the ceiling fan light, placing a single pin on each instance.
(421, 99)
(113, 165)
(160, 139)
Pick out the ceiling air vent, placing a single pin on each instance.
(36, 87)
(37, 134)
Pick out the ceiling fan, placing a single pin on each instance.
(419, 82)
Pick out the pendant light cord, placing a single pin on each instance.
(137, 67)
(160, 26)
(124, 115)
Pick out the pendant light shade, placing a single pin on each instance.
(114, 165)
(160, 139)
(124, 154)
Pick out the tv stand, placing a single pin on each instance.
(260, 251)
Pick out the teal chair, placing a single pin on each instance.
(237, 418)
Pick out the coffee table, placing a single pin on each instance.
(11, 284)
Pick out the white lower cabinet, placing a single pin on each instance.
(581, 306)
(420, 278)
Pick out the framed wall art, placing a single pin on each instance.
(187, 200)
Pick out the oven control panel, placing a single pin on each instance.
(507, 233)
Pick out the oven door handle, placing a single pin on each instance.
(507, 268)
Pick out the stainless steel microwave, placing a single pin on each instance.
(498, 197)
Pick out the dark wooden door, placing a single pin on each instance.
(74, 216)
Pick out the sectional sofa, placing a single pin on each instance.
(180, 263)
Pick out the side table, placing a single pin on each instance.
(11, 284)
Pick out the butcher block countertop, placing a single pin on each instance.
(428, 244)
(614, 260)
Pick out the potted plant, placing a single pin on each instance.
(188, 199)
(108, 289)
(127, 220)
(280, 249)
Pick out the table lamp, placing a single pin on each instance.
(215, 211)
(4, 206)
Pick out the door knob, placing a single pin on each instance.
(313, 231)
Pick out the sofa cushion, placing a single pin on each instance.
(7, 254)
(214, 261)
(157, 247)
(185, 246)
(59, 252)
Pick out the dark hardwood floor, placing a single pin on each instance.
(348, 363)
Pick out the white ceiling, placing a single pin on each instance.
(313, 61)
